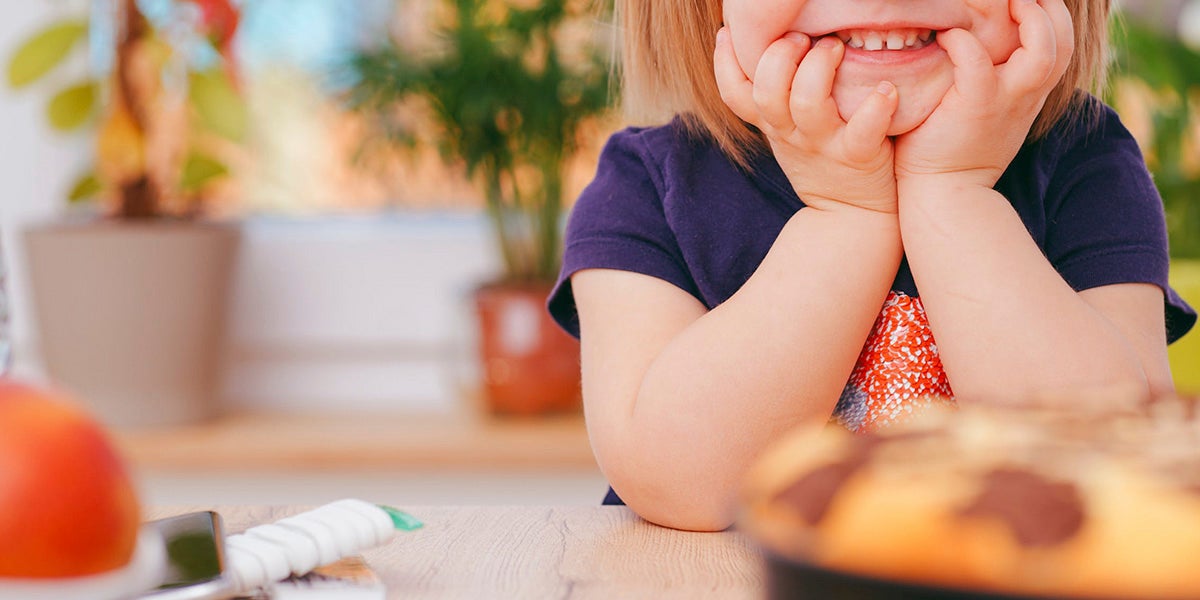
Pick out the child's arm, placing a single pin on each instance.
(1006, 323)
(679, 401)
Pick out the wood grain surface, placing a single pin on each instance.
(544, 552)
(254, 442)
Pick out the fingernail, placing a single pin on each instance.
(886, 88)
(796, 36)
(722, 35)
(830, 42)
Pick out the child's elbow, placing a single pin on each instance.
(687, 511)
(701, 519)
(666, 489)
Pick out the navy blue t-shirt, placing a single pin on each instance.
(670, 204)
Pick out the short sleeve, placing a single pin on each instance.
(618, 222)
(1105, 218)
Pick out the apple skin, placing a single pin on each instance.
(67, 503)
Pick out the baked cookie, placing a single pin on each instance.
(1015, 502)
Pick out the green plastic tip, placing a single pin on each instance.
(402, 520)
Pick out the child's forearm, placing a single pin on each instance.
(1006, 324)
(776, 354)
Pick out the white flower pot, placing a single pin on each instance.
(131, 315)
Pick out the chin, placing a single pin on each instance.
(909, 118)
(917, 102)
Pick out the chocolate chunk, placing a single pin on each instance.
(1040, 512)
(811, 495)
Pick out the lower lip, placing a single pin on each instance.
(893, 57)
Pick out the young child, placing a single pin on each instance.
(725, 271)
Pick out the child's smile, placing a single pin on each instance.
(907, 38)
(892, 40)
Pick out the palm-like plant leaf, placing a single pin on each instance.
(505, 102)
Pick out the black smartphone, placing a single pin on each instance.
(195, 545)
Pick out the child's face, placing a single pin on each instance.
(921, 70)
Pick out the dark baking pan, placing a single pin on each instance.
(789, 580)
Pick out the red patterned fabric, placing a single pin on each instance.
(898, 372)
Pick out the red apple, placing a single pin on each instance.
(67, 503)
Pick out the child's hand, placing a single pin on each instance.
(985, 116)
(830, 162)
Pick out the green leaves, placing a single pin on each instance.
(217, 104)
(71, 108)
(44, 51)
(39, 55)
(199, 170)
(84, 188)
(507, 102)
(1171, 69)
(217, 109)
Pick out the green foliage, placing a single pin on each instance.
(506, 105)
(199, 170)
(218, 105)
(84, 188)
(38, 55)
(70, 108)
(35, 58)
(1172, 69)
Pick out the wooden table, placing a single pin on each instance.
(544, 552)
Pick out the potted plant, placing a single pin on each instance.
(505, 93)
(130, 303)
(1157, 76)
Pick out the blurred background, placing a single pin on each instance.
(294, 250)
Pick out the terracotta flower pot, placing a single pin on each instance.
(529, 365)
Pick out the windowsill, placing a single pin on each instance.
(325, 442)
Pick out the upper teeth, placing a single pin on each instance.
(892, 39)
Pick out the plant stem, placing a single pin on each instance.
(494, 195)
(138, 194)
(131, 31)
(551, 210)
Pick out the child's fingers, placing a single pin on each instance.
(1064, 34)
(773, 79)
(1032, 64)
(812, 88)
(867, 128)
(974, 73)
(736, 89)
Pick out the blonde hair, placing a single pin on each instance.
(667, 69)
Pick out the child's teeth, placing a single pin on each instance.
(897, 39)
(873, 40)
